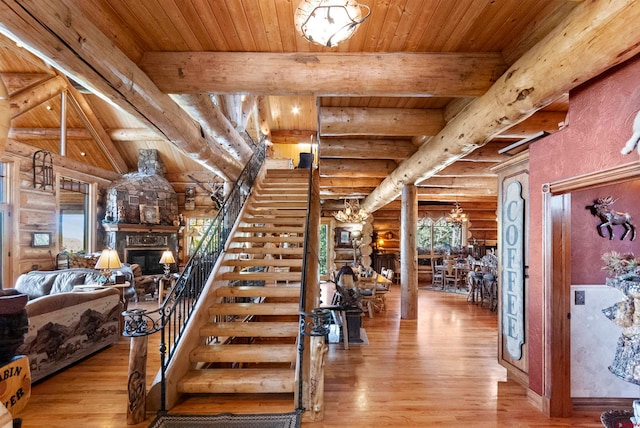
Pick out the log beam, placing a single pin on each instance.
(357, 168)
(219, 130)
(399, 122)
(594, 37)
(62, 36)
(460, 183)
(310, 73)
(30, 97)
(291, 136)
(366, 149)
(334, 182)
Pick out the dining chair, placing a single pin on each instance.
(453, 276)
(437, 273)
(367, 294)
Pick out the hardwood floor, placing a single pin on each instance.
(440, 370)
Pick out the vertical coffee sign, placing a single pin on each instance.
(512, 275)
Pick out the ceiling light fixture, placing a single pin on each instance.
(457, 216)
(352, 213)
(329, 22)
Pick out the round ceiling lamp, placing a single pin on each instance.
(329, 22)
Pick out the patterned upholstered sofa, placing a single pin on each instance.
(65, 325)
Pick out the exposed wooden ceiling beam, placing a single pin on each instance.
(215, 124)
(339, 121)
(310, 73)
(291, 136)
(22, 80)
(461, 182)
(100, 136)
(22, 101)
(356, 168)
(593, 38)
(366, 149)
(550, 121)
(349, 182)
(62, 36)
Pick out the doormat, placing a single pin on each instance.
(228, 420)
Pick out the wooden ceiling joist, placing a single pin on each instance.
(366, 149)
(414, 74)
(393, 122)
(22, 101)
(69, 41)
(356, 168)
(599, 34)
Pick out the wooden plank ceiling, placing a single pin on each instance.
(239, 68)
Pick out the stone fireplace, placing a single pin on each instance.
(142, 215)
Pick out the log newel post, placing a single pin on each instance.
(136, 383)
(409, 253)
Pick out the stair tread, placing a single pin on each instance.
(254, 309)
(265, 239)
(237, 380)
(251, 329)
(263, 262)
(244, 353)
(260, 276)
(248, 291)
(294, 251)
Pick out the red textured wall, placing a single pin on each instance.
(587, 246)
(601, 113)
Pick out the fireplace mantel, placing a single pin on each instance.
(142, 228)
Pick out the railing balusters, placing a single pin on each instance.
(172, 317)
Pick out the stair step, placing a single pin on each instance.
(292, 251)
(276, 195)
(248, 291)
(293, 213)
(260, 276)
(254, 309)
(288, 205)
(263, 262)
(265, 239)
(271, 229)
(251, 329)
(271, 219)
(242, 353)
(229, 381)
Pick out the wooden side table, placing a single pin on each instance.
(164, 284)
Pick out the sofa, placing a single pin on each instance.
(66, 325)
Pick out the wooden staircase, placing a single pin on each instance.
(255, 319)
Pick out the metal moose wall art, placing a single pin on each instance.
(602, 209)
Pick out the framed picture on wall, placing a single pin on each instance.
(343, 237)
(41, 239)
(149, 214)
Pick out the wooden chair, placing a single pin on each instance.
(452, 276)
(437, 273)
(367, 294)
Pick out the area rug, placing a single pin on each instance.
(617, 419)
(228, 420)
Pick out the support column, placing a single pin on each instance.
(409, 253)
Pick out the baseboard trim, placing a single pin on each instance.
(602, 404)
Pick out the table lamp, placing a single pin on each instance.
(167, 260)
(108, 261)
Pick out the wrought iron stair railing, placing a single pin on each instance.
(173, 315)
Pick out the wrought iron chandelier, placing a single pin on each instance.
(352, 213)
(457, 215)
(329, 22)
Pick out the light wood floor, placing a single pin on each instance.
(440, 370)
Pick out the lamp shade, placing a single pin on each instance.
(108, 260)
(167, 258)
(328, 22)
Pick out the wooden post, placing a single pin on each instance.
(409, 253)
(137, 383)
(315, 348)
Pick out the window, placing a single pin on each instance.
(439, 236)
(195, 229)
(323, 253)
(74, 220)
